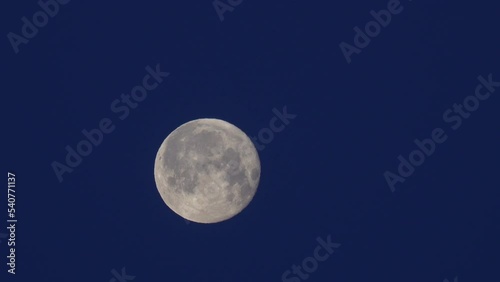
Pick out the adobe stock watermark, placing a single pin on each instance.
(310, 264)
(455, 280)
(29, 29)
(223, 7)
(454, 117)
(266, 135)
(122, 108)
(372, 29)
(121, 277)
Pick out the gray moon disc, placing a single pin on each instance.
(207, 170)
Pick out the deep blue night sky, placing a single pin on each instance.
(322, 176)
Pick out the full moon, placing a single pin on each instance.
(207, 170)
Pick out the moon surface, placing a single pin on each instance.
(207, 170)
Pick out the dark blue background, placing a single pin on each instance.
(323, 175)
